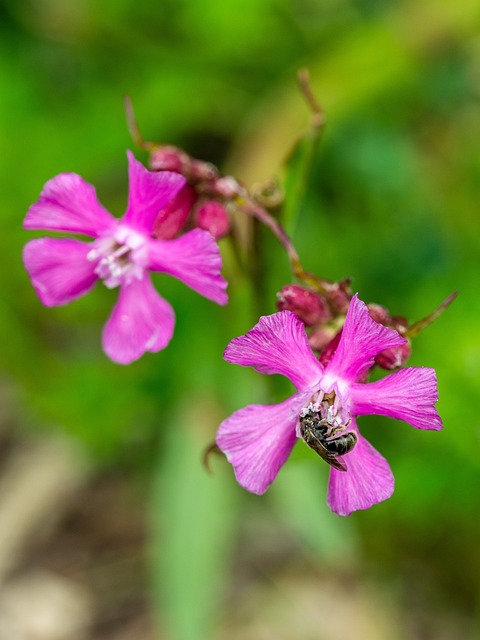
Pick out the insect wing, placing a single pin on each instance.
(315, 443)
(336, 463)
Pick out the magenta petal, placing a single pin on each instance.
(409, 394)
(149, 193)
(141, 321)
(362, 338)
(59, 269)
(194, 259)
(277, 344)
(367, 481)
(258, 439)
(68, 203)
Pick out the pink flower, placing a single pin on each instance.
(121, 254)
(258, 439)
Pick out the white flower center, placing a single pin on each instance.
(120, 258)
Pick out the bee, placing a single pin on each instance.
(318, 432)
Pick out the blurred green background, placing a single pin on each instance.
(392, 202)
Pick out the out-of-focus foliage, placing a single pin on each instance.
(392, 201)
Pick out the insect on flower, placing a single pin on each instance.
(258, 439)
(319, 430)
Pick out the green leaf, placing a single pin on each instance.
(192, 519)
(298, 169)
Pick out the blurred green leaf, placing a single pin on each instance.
(193, 520)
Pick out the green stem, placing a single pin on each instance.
(416, 327)
(250, 207)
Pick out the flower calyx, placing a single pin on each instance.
(202, 203)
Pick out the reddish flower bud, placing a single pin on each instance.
(201, 171)
(395, 357)
(227, 187)
(170, 158)
(339, 295)
(379, 314)
(212, 216)
(305, 304)
(319, 338)
(171, 220)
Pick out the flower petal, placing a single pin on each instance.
(141, 321)
(149, 193)
(258, 439)
(367, 481)
(68, 203)
(193, 258)
(277, 344)
(362, 338)
(59, 269)
(409, 394)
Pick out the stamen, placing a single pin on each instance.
(121, 258)
(312, 408)
(327, 406)
(122, 250)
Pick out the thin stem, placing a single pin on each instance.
(211, 449)
(252, 208)
(250, 205)
(133, 126)
(318, 115)
(416, 327)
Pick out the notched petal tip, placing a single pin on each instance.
(59, 269)
(361, 340)
(257, 441)
(277, 344)
(68, 203)
(141, 321)
(367, 481)
(149, 193)
(409, 394)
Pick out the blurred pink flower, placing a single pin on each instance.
(121, 254)
(258, 439)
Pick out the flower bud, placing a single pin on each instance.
(339, 296)
(395, 357)
(171, 220)
(169, 158)
(227, 187)
(305, 304)
(212, 216)
(379, 314)
(203, 172)
(320, 337)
